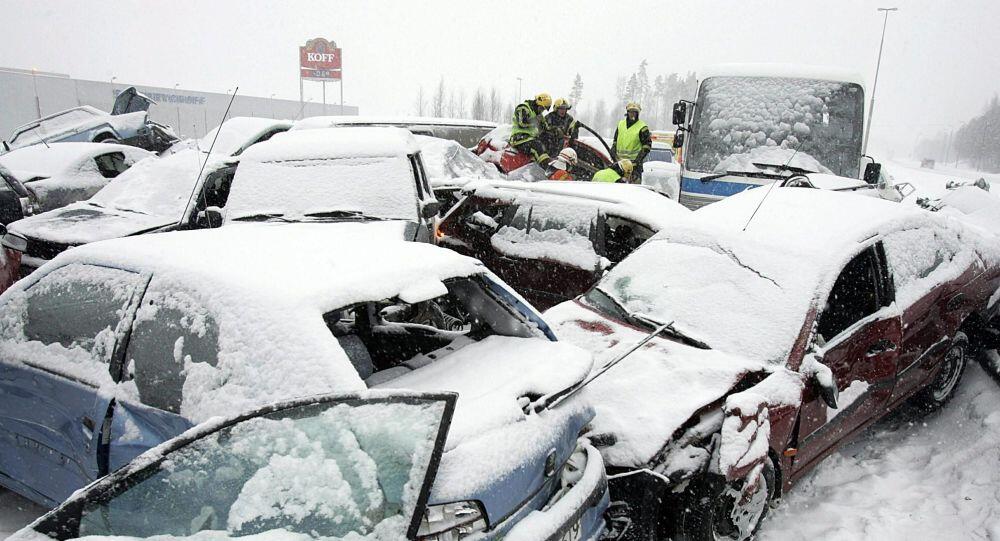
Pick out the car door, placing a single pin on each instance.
(330, 467)
(858, 337)
(619, 237)
(57, 376)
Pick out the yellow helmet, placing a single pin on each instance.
(561, 102)
(633, 106)
(626, 166)
(544, 100)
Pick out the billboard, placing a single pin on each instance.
(320, 60)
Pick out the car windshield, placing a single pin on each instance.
(350, 469)
(710, 296)
(378, 187)
(660, 155)
(159, 187)
(757, 124)
(52, 126)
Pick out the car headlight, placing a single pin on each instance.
(451, 521)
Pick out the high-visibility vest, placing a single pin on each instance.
(606, 175)
(519, 133)
(628, 144)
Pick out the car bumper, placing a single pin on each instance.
(576, 515)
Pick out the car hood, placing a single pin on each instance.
(80, 223)
(644, 399)
(495, 453)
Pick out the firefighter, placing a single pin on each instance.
(562, 129)
(528, 125)
(632, 139)
(560, 166)
(619, 171)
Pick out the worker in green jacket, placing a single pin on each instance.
(619, 171)
(632, 140)
(527, 128)
(562, 130)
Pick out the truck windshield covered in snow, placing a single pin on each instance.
(758, 124)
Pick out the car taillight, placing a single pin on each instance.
(451, 521)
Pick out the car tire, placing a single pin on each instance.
(709, 506)
(939, 391)
(107, 138)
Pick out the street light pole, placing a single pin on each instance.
(878, 64)
(518, 90)
(178, 109)
(113, 95)
(271, 99)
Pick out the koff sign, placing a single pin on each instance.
(320, 60)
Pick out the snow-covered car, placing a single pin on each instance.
(58, 174)
(128, 123)
(234, 136)
(777, 338)
(495, 148)
(356, 466)
(552, 240)
(336, 175)
(116, 346)
(155, 195)
(465, 132)
(450, 166)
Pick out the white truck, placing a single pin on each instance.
(754, 124)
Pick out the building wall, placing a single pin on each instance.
(190, 112)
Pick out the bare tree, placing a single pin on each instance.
(495, 108)
(438, 101)
(421, 101)
(479, 107)
(576, 93)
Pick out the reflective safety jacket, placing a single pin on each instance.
(606, 175)
(629, 141)
(526, 124)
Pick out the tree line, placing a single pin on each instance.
(976, 143)
(656, 95)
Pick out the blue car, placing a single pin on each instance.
(117, 346)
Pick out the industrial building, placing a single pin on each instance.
(26, 95)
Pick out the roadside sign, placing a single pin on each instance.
(320, 60)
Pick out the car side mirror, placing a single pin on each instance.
(209, 218)
(680, 113)
(6, 147)
(430, 209)
(826, 387)
(678, 139)
(14, 241)
(872, 173)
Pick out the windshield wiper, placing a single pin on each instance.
(755, 174)
(264, 217)
(343, 214)
(784, 167)
(644, 321)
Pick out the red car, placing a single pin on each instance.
(552, 240)
(782, 329)
(495, 149)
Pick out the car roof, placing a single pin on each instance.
(331, 121)
(333, 143)
(636, 202)
(43, 160)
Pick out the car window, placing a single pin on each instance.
(348, 470)
(215, 191)
(551, 230)
(421, 192)
(914, 255)
(172, 331)
(854, 295)
(623, 236)
(388, 338)
(422, 174)
(476, 216)
(112, 164)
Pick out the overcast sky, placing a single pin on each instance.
(940, 66)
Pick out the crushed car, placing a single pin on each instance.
(777, 330)
(495, 148)
(115, 347)
(233, 136)
(552, 240)
(368, 174)
(450, 166)
(128, 123)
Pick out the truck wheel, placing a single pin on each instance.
(714, 510)
(942, 388)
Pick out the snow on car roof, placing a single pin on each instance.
(331, 121)
(628, 201)
(236, 132)
(448, 163)
(792, 71)
(47, 161)
(267, 288)
(333, 143)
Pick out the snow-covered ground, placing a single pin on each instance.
(908, 477)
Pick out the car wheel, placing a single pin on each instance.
(943, 386)
(107, 138)
(715, 511)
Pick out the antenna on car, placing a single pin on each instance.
(40, 138)
(771, 187)
(194, 189)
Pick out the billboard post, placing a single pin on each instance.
(321, 60)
